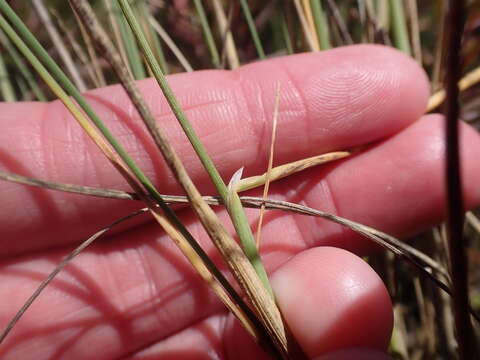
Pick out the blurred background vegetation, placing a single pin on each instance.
(189, 35)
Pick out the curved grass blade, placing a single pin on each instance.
(59, 44)
(6, 88)
(171, 45)
(420, 260)
(399, 26)
(270, 164)
(59, 268)
(207, 33)
(321, 25)
(253, 30)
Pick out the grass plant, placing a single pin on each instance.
(140, 39)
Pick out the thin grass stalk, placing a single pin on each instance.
(321, 25)
(245, 184)
(270, 164)
(415, 30)
(108, 4)
(362, 17)
(6, 88)
(370, 26)
(420, 260)
(234, 207)
(26, 94)
(79, 52)
(306, 30)
(171, 45)
(470, 79)
(436, 75)
(473, 221)
(59, 44)
(153, 40)
(223, 24)
(253, 29)
(23, 68)
(233, 255)
(307, 11)
(11, 324)
(399, 26)
(247, 201)
(340, 22)
(455, 208)
(99, 77)
(129, 43)
(207, 33)
(286, 34)
(383, 14)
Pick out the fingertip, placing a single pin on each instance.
(355, 94)
(332, 300)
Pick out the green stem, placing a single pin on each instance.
(6, 87)
(207, 33)
(399, 26)
(131, 48)
(253, 29)
(321, 25)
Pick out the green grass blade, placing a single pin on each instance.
(286, 35)
(321, 25)
(207, 33)
(6, 88)
(153, 37)
(253, 29)
(399, 26)
(131, 48)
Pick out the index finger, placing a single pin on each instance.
(329, 101)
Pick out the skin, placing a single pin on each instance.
(132, 295)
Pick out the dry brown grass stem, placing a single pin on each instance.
(270, 164)
(223, 24)
(470, 79)
(313, 45)
(59, 45)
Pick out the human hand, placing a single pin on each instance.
(134, 295)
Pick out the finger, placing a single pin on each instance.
(331, 300)
(142, 269)
(330, 100)
(397, 186)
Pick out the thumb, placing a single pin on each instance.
(331, 300)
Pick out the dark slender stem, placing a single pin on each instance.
(455, 209)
